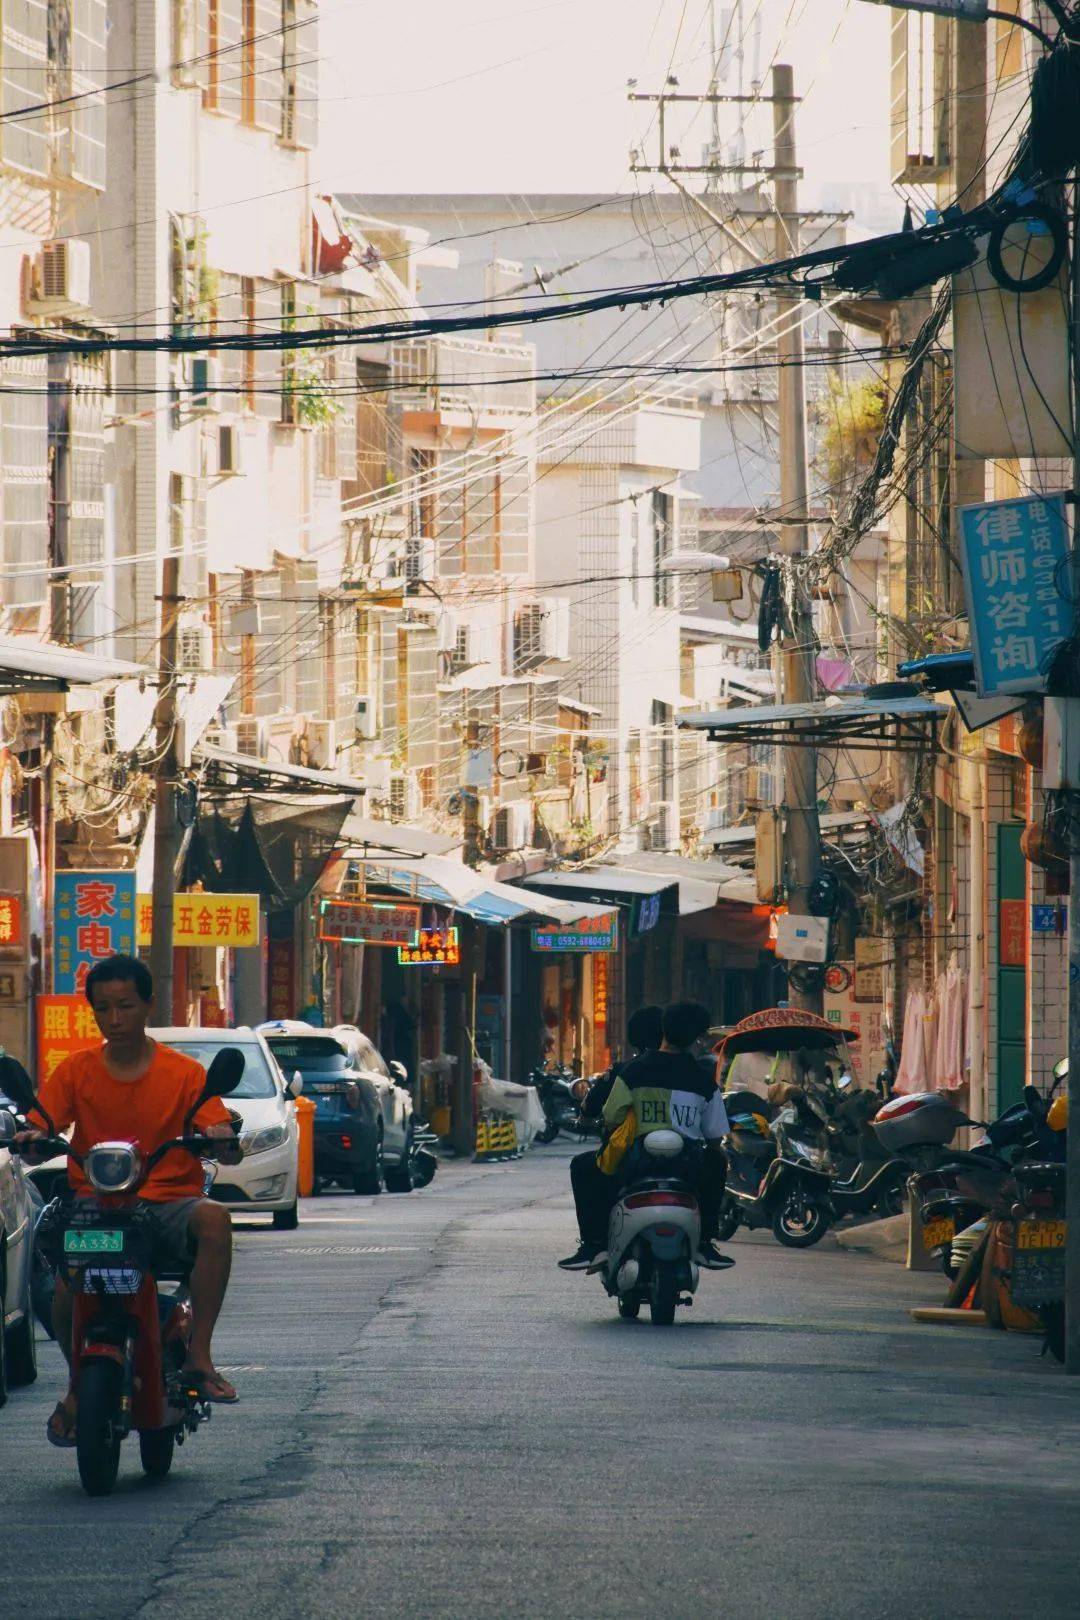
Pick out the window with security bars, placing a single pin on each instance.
(53, 51)
(663, 513)
(921, 95)
(418, 671)
(24, 464)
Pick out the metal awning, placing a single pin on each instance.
(448, 883)
(701, 883)
(893, 724)
(277, 770)
(836, 822)
(363, 836)
(43, 666)
(607, 885)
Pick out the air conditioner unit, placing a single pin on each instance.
(253, 737)
(512, 825)
(419, 559)
(367, 717)
(205, 377)
(230, 449)
(192, 651)
(61, 282)
(376, 775)
(555, 628)
(323, 744)
(226, 738)
(404, 796)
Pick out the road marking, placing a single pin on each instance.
(367, 1248)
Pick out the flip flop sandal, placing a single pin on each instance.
(204, 1383)
(60, 1428)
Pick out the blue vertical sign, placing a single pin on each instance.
(93, 917)
(1016, 563)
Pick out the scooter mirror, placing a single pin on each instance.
(15, 1083)
(222, 1077)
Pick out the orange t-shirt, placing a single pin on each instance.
(81, 1092)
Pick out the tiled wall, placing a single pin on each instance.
(1048, 975)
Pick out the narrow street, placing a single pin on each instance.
(436, 1421)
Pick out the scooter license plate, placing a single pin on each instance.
(936, 1233)
(1040, 1235)
(93, 1242)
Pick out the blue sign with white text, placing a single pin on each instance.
(1016, 578)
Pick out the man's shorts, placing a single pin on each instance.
(173, 1220)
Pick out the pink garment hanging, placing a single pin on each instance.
(916, 1045)
(951, 996)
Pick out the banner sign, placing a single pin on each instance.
(591, 934)
(280, 973)
(369, 922)
(600, 991)
(432, 945)
(65, 1024)
(216, 919)
(11, 921)
(1016, 563)
(144, 920)
(93, 917)
(646, 912)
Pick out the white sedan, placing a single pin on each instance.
(265, 1179)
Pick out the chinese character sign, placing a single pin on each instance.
(11, 921)
(65, 1024)
(434, 946)
(281, 975)
(93, 917)
(144, 921)
(216, 919)
(600, 990)
(1016, 576)
(369, 922)
(591, 934)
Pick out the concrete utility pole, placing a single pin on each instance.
(166, 824)
(802, 842)
(1072, 1187)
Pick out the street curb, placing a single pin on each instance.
(885, 1239)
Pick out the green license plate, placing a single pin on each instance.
(93, 1242)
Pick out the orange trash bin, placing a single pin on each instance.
(305, 1119)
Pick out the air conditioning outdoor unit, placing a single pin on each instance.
(376, 774)
(555, 628)
(322, 744)
(61, 283)
(253, 738)
(404, 797)
(230, 449)
(419, 559)
(511, 826)
(367, 717)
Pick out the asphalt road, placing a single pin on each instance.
(437, 1422)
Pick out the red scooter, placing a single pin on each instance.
(129, 1338)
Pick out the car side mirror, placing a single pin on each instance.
(222, 1078)
(296, 1085)
(9, 1125)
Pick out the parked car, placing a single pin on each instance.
(265, 1179)
(18, 1353)
(363, 1119)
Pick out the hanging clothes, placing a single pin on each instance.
(917, 1044)
(949, 1072)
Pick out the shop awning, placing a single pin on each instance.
(702, 884)
(363, 836)
(836, 822)
(891, 724)
(268, 771)
(612, 886)
(448, 883)
(43, 666)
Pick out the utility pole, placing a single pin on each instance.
(802, 841)
(166, 823)
(1072, 1150)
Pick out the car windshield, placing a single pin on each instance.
(256, 1081)
(318, 1055)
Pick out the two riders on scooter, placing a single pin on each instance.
(667, 1086)
(133, 1089)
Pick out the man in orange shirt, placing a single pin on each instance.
(133, 1090)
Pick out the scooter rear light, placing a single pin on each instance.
(666, 1231)
(346, 1142)
(660, 1200)
(1040, 1198)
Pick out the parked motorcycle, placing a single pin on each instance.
(129, 1337)
(776, 1176)
(421, 1140)
(1038, 1267)
(555, 1089)
(869, 1180)
(653, 1233)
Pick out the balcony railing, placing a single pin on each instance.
(464, 377)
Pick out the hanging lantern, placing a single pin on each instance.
(1029, 741)
(1039, 846)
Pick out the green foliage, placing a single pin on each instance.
(850, 417)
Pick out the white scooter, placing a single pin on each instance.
(653, 1235)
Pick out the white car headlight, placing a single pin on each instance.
(274, 1136)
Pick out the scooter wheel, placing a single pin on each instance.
(97, 1444)
(663, 1296)
(548, 1134)
(156, 1447)
(629, 1309)
(799, 1223)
